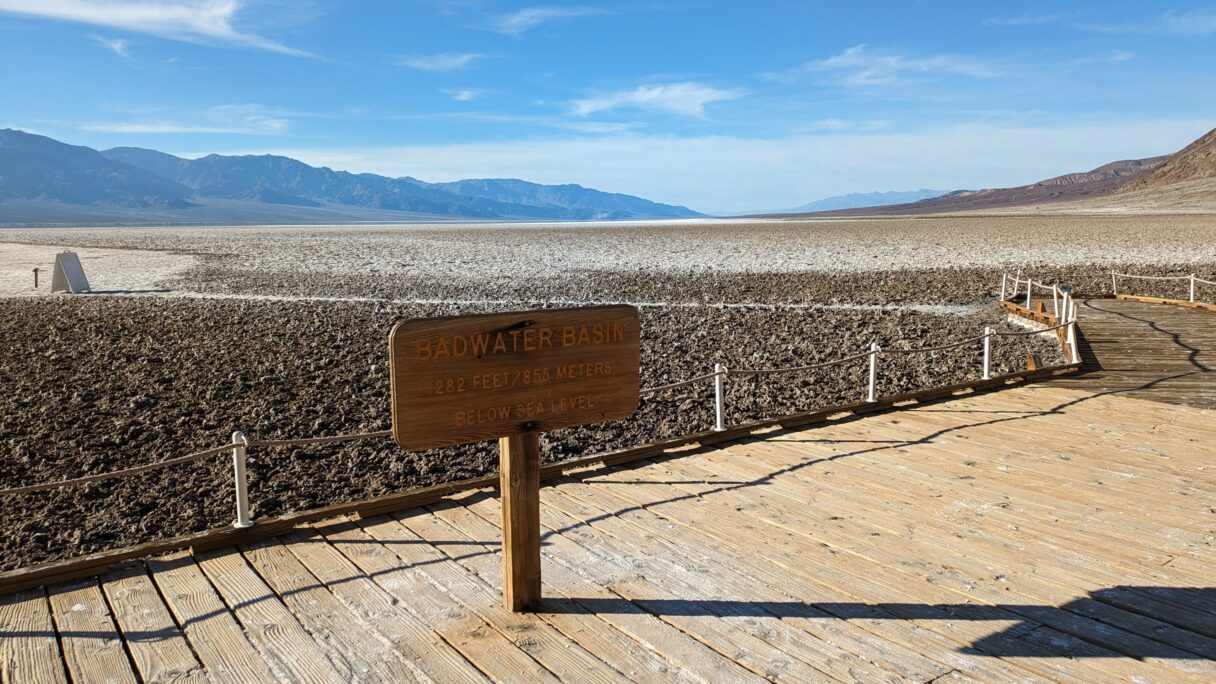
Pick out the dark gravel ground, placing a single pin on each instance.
(93, 384)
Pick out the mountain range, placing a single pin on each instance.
(43, 180)
(856, 200)
(1179, 181)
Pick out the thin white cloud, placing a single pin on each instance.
(519, 22)
(686, 98)
(840, 125)
(116, 45)
(726, 173)
(246, 119)
(1200, 22)
(861, 65)
(462, 95)
(197, 21)
(1027, 19)
(1111, 57)
(444, 61)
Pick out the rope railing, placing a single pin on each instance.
(1030, 283)
(680, 383)
(1191, 278)
(240, 443)
(797, 369)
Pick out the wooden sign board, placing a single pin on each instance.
(473, 378)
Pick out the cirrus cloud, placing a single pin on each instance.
(195, 21)
(444, 61)
(688, 98)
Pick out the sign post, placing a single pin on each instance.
(511, 377)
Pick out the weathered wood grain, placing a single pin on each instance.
(474, 378)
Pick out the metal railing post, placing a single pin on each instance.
(1029, 290)
(1004, 282)
(1192, 296)
(239, 444)
(719, 397)
(1114, 284)
(1017, 281)
(1055, 301)
(872, 391)
(987, 352)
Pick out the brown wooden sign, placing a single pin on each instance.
(473, 378)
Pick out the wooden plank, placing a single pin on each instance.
(92, 648)
(210, 628)
(519, 487)
(356, 651)
(898, 649)
(157, 646)
(637, 644)
(286, 646)
(421, 647)
(689, 655)
(560, 655)
(792, 545)
(790, 512)
(463, 379)
(485, 647)
(839, 650)
(1021, 576)
(29, 649)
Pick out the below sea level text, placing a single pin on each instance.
(526, 410)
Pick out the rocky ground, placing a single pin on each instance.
(243, 341)
(97, 384)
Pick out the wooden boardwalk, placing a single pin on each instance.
(1033, 534)
(1151, 351)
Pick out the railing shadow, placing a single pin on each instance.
(1175, 337)
(1021, 639)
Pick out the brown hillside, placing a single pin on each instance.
(1194, 162)
(1099, 182)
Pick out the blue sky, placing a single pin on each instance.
(721, 106)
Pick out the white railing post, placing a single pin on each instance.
(872, 391)
(1017, 282)
(1072, 333)
(1192, 296)
(987, 352)
(1004, 282)
(1029, 290)
(1055, 301)
(1114, 284)
(719, 397)
(239, 444)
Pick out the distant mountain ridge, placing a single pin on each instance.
(37, 169)
(1099, 182)
(1194, 162)
(34, 167)
(855, 200)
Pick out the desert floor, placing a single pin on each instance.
(281, 332)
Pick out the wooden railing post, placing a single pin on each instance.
(519, 483)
